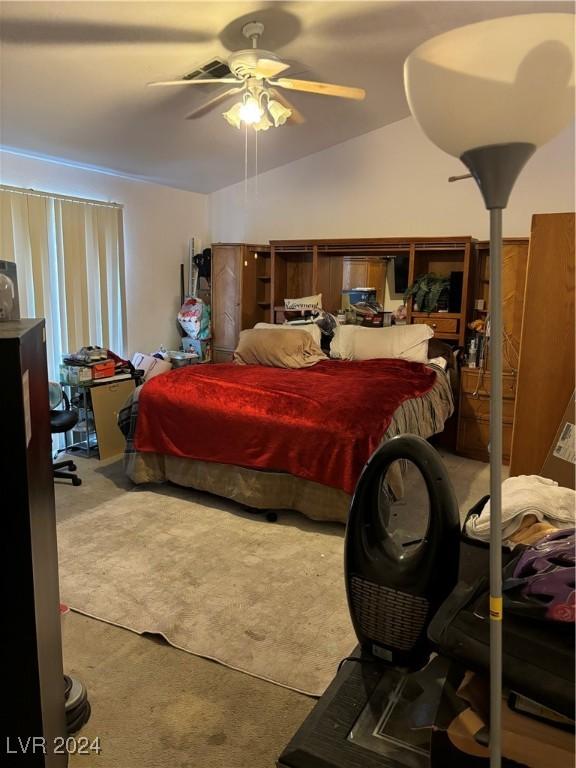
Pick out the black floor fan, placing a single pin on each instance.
(394, 590)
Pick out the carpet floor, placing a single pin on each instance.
(263, 598)
(155, 706)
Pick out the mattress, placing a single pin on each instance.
(262, 488)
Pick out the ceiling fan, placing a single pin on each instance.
(256, 76)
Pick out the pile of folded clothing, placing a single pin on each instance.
(531, 507)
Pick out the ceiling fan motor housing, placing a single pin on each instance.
(243, 64)
(392, 592)
(254, 29)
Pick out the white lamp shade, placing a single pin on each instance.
(263, 124)
(279, 112)
(233, 115)
(495, 82)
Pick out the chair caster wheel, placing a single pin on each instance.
(76, 481)
(271, 517)
(73, 467)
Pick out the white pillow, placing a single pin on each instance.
(440, 362)
(310, 328)
(407, 342)
(304, 304)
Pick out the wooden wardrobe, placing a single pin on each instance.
(546, 379)
(240, 288)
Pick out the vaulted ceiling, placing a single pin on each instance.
(74, 78)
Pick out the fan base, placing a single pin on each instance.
(253, 29)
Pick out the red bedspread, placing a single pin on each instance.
(320, 423)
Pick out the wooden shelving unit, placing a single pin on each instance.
(308, 267)
(446, 257)
(250, 282)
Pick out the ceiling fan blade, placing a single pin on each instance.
(296, 117)
(208, 105)
(195, 82)
(270, 68)
(326, 89)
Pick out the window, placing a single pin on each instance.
(70, 259)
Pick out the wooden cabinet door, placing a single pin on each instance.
(367, 272)
(226, 295)
(546, 378)
(514, 260)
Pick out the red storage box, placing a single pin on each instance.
(104, 369)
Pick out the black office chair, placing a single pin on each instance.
(62, 420)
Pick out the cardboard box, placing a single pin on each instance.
(525, 741)
(560, 463)
(107, 400)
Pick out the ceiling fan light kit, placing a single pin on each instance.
(255, 73)
(257, 109)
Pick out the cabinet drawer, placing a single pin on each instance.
(479, 408)
(473, 379)
(438, 324)
(474, 438)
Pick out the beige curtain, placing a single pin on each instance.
(70, 259)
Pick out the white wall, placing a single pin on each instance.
(158, 223)
(390, 182)
(386, 183)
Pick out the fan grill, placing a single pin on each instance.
(214, 68)
(394, 619)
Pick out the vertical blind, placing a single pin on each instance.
(70, 260)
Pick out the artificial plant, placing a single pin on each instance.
(427, 290)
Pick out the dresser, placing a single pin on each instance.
(31, 660)
(474, 413)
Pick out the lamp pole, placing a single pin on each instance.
(495, 487)
(495, 169)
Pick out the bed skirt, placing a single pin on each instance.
(251, 487)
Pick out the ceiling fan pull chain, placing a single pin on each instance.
(245, 165)
(256, 164)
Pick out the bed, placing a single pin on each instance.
(272, 438)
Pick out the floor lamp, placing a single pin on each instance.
(490, 94)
